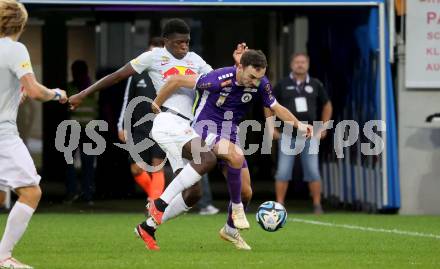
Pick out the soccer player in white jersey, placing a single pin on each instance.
(17, 169)
(171, 129)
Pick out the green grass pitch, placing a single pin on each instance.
(86, 241)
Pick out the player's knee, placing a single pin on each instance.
(30, 195)
(135, 169)
(236, 159)
(37, 193)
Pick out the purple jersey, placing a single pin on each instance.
(221, 100)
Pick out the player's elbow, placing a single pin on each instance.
(31, 87)
(119, 75)
(34, 92)
(328, 107)
(268, 112)
(278, 110)
(31, 94)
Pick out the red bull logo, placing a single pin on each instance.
(178, 70)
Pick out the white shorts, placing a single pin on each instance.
(17, 168)
(172, 132)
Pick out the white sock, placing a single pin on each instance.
(175, 208)
(236, 206)
(16, 225)
(150, 222)
(185, 179)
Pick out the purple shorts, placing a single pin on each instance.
(212, 135)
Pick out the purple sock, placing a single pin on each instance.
(234, 184)
(229, 221)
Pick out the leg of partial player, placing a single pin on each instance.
(157, 180)
(229, 232)
(233, 156)
(188, 177)
(17, 223)
(142, 178)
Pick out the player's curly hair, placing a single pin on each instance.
(175, 26)
(13, 17)
(256, 58)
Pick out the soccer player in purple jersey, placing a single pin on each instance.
(226, 94)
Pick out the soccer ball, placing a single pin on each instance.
(271, 216)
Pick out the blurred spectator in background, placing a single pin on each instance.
(113, 179)
(304, 96)
(84, 114)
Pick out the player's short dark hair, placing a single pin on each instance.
(175, 26)
(156, 41)
(298, 54)
(256, 58)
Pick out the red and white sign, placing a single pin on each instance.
(423, 44)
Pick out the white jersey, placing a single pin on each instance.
(161, 64)
(14, 63)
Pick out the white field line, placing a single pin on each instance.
(365, 229)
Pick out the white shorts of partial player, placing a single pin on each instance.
(172, 132)
(17, 168)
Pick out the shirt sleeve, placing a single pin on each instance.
(267, 96)
(204, 68)
(20, 62)
(142, 62)
(208, 82)
(322, 93)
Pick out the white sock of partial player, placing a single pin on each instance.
(16, 225)
(175, 208)
(185, 179)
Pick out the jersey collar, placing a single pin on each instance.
(170, 54)
(296, 82)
